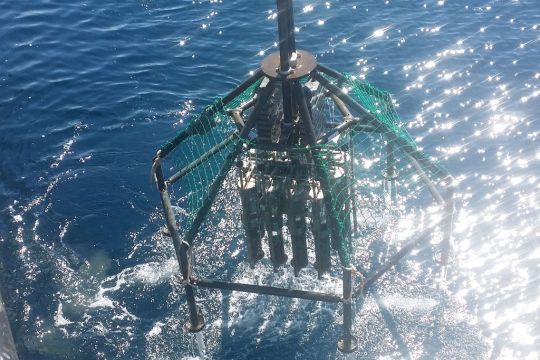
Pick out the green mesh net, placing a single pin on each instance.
(380, 104)
(351, 188)
(214, 131)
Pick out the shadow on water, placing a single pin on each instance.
(379, 250)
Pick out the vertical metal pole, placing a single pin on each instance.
(347, 343)
(391, 174)
(284, 30)
(353, 186)
(292, 41)
(448, 221)
(196, 320)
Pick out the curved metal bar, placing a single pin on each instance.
(430, 185)
(341, 106)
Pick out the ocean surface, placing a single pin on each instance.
(90, 89)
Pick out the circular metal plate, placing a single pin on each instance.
(306, 63)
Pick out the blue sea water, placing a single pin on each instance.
(90, 89)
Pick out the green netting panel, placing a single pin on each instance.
(378, 103)
(373, 184)
(209, 132)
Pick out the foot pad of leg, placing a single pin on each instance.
(194, 328)
(347, 343)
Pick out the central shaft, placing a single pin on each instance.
(287, 55)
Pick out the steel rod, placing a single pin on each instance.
(170, 220)
(290, 13)
(344, 126)
(265, 290)
(201, 159)
(278, 147)
(448, 222)
(330, 72)
(248, 104)
(343, 109)
(283, 33)
(391, 172)
(196, 321)
(353, 187)
(284, 9)
(404, 251)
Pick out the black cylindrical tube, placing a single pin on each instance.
(236, 114)
(251, 219)
(169, 214)
(284, 67)
(425, 178)
(353, 186)
(296, 222)
(448, 221)
(283, 32)
(329, 71)
(320, 231)
(196, 321)
(273, 198)
(347, 301)
(391, 171)
(341, 106)
(342, 201)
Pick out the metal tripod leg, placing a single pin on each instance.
(347, 343)
(196, 320)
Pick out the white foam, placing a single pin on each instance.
(156, 330)
(59, 319)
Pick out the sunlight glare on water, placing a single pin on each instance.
(88, 92)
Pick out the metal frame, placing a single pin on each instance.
(294, 105)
